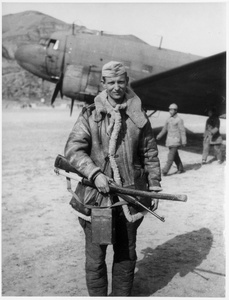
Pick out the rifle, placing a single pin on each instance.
(63, 167)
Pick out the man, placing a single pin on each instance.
(113, 140)
(212, 137)
(176, 136)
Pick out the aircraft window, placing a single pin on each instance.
(147, 69)
(127, 64)
(54, 44)
(44, 42)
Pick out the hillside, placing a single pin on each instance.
(26, 28)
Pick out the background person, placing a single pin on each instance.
(176, 136)
(212, 137)
(113, 139)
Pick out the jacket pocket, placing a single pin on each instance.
(87, 196)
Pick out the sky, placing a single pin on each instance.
(190, 27)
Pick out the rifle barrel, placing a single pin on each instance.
(132, 200)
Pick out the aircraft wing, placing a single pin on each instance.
(193, 87)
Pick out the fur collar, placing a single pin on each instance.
(133, 109)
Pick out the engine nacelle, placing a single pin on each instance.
(79, 79)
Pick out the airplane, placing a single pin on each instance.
(158, 76)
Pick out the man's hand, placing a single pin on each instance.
(101, 183)
(154, 204)
(155, 189)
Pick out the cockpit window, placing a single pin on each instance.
(53, 44)
(147, 69)
(44, 42)
(127, 64)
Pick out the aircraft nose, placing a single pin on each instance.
(22, 55)
(19, 54)
(32, 59)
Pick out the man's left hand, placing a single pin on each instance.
(154, 204)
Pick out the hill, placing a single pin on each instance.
(26, 28)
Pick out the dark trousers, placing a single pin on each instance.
(124, 259)
(217, 150)
(173, 156)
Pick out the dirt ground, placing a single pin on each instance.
(43, 244)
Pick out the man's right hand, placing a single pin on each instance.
(102, 183)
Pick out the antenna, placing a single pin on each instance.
(161, 42)
(77, 22)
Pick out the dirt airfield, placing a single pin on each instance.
(43, 244)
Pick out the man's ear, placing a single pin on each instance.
(127, 79)
(103, 81)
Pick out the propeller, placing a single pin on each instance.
(59, 84)
(72, 104)
(58, 89)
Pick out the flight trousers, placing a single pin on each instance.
(124, 259)
(217, 151)
(173, 156)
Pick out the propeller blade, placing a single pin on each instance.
(58, 89)
(62, 69)
(72, 104)
(55, 93)
(61, 84)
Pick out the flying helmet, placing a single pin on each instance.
(173, 106)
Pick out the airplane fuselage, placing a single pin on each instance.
(158, 76)
(82, 56)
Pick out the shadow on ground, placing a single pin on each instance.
(179, 255)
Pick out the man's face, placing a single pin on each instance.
(116, 87)
(172, 112)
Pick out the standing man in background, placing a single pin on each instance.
(212, 137)
(176, 137)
